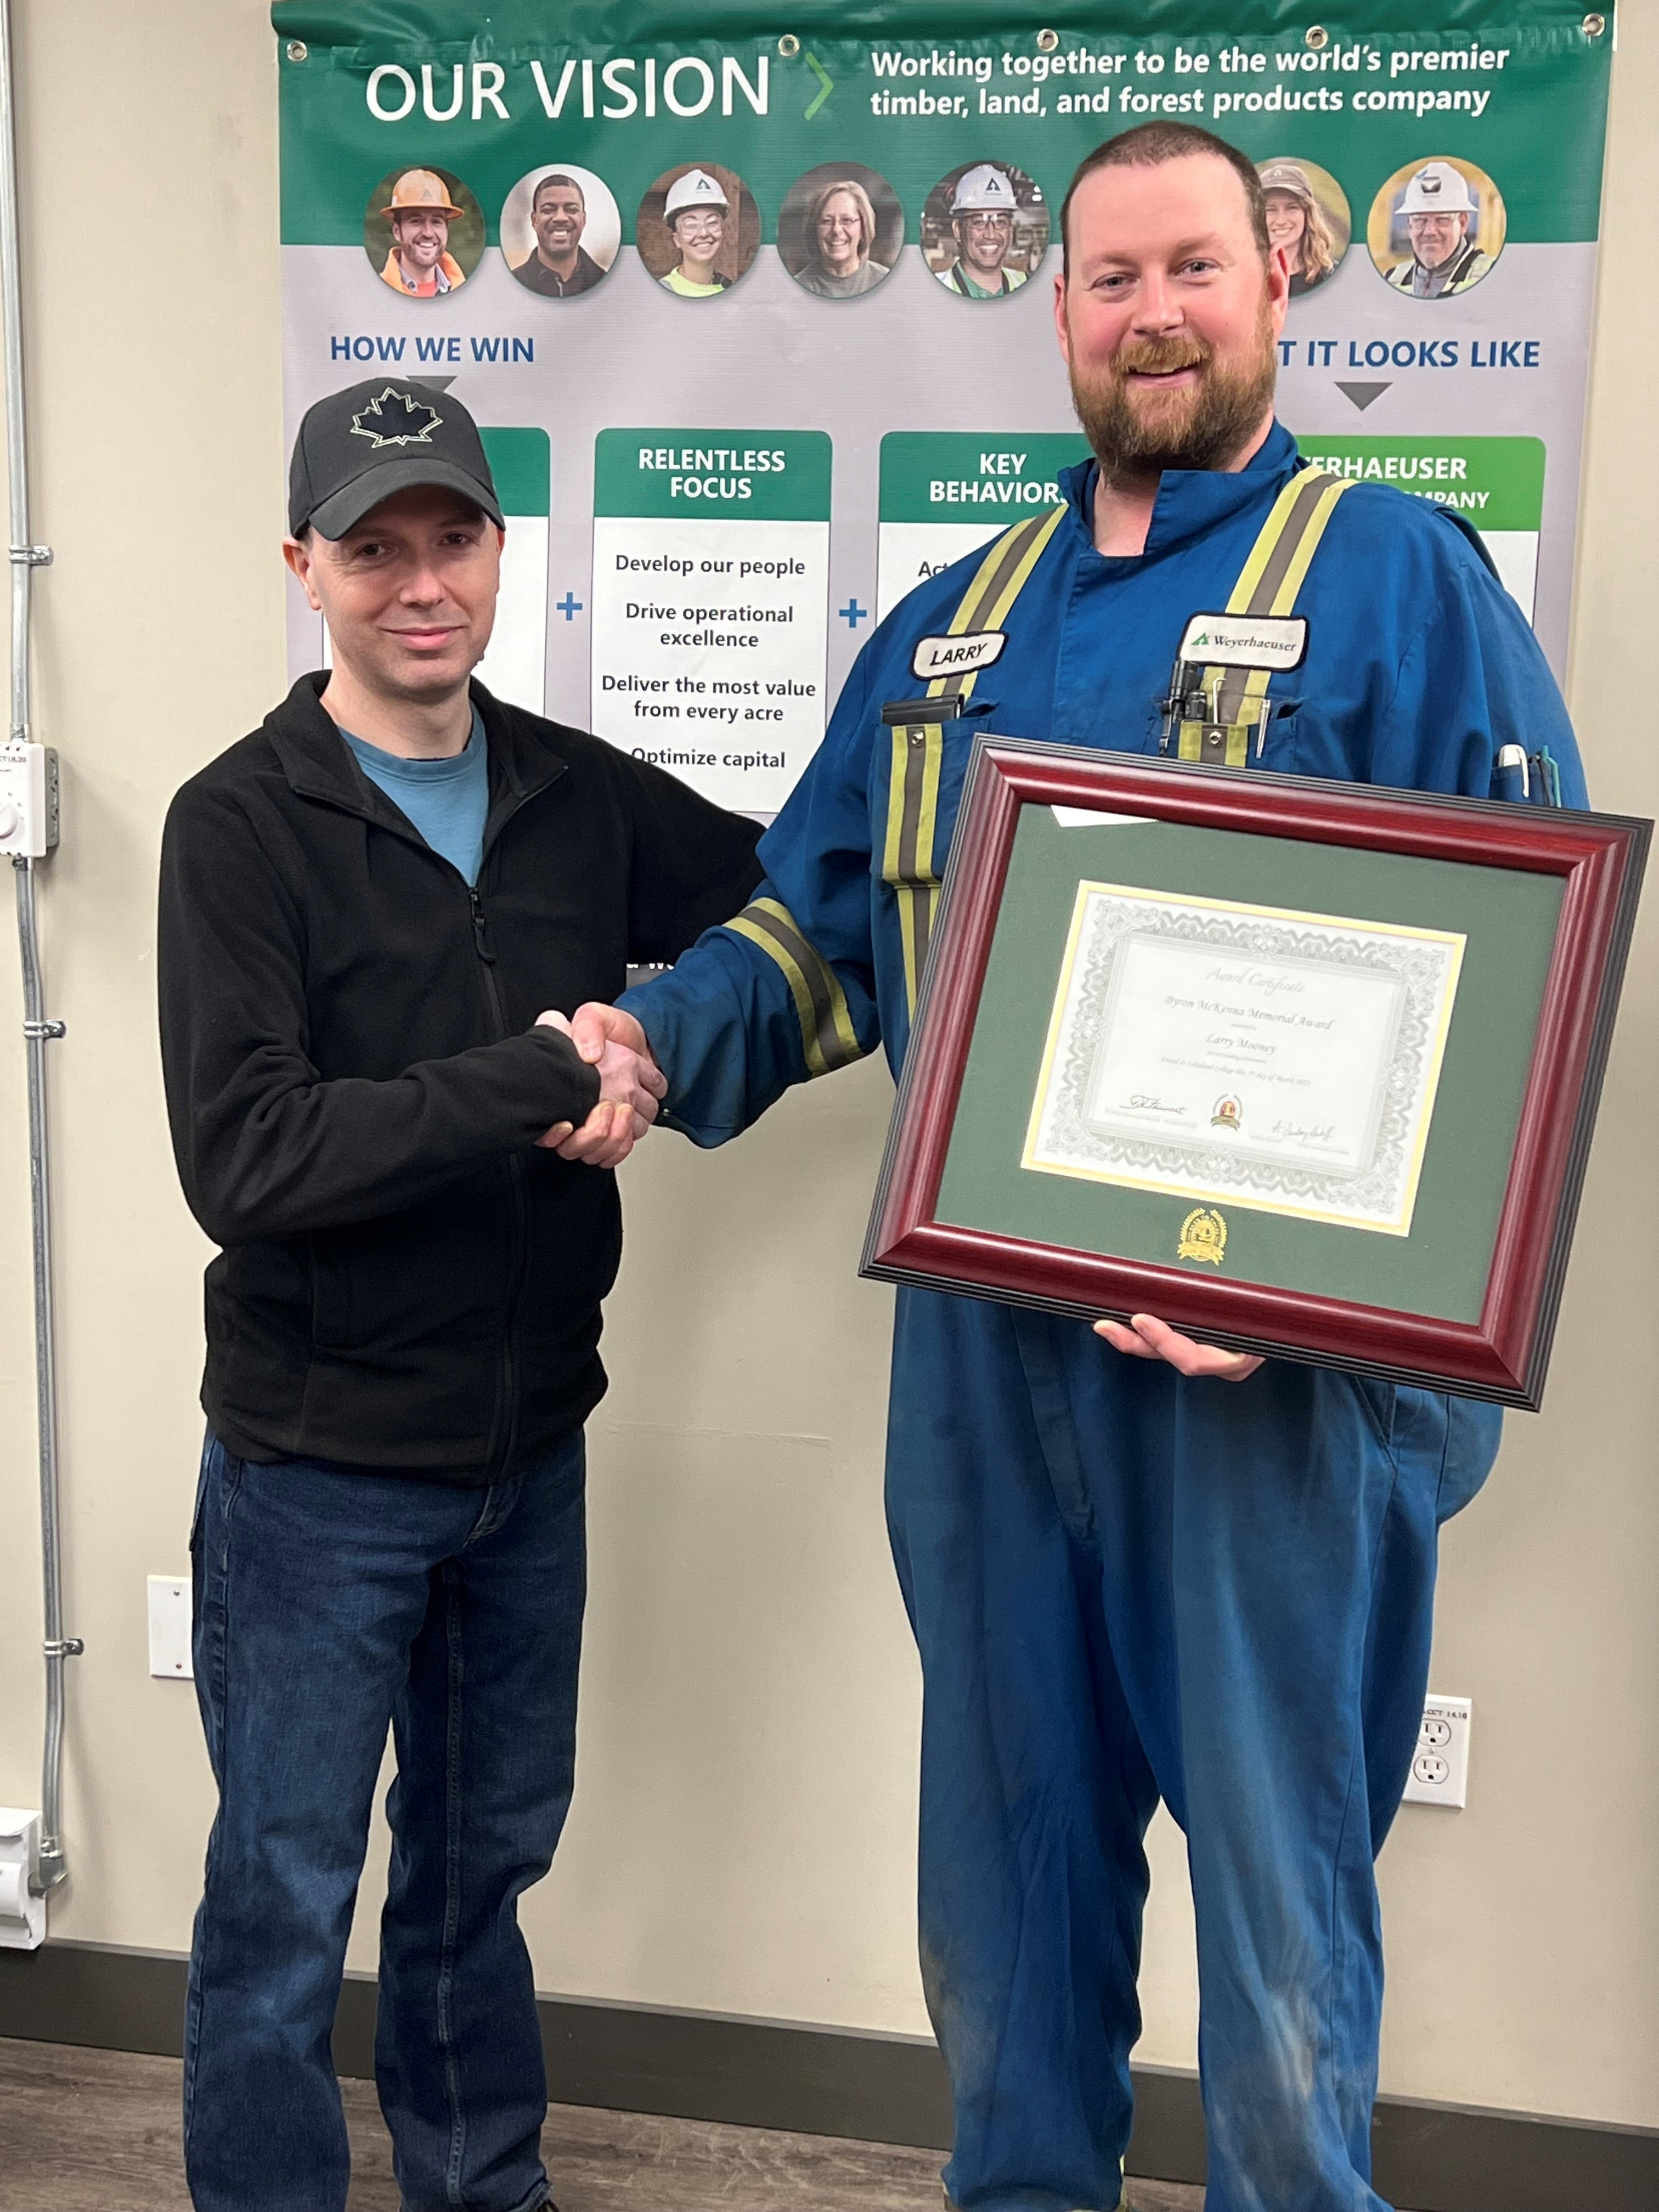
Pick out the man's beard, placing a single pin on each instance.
(1202, 427)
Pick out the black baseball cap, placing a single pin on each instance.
(359, 447)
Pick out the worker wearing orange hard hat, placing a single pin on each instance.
(420, 212)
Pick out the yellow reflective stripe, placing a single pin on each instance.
(1236, 743)
(1255, 691)
(915, 907)
(1267, 537)
(798, 987)
(998, 582)
(932, 750)
(996, 613)
(907, 860)
(1306, 545)
(984, 577)
(828, 1037)
(897, 767)
(1269, 582)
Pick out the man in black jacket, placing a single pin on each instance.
(371, 910)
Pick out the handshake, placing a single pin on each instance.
(630, 1085)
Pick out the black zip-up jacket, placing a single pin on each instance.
(407, 1284)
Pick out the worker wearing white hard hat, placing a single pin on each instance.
(983, 210)
(696, 210)
(1439, 210)
(420, 211)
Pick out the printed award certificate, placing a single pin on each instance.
(1281, 1061)
(1302, 1068)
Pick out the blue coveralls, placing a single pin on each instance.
(1124, 1584)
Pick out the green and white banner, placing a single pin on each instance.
(1495, 484)
(812, 254)
(944, 494)
(711, 582)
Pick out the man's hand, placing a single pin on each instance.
(1148, 1338)
(596, 1026)
(630, 1085)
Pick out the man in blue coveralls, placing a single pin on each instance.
(1129, 1581)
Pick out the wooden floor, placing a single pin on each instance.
(98, 2131)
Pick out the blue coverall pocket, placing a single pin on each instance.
(1379, 1400)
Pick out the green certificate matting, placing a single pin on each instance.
(1440, 1269)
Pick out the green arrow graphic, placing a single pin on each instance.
(826, 84)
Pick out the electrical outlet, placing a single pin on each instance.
(22, 1914)
(169, 1628)
(1440, 1763)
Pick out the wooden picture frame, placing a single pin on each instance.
(1503, 1354)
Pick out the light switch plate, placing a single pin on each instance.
(1440, 1763)
(169, 1628)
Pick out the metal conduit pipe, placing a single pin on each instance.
(38, 1032)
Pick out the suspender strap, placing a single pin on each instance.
(1236, 698)
(907, 861)
(998, 582)
(910, 861)
(827, 1035)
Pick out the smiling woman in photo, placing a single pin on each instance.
(1296, 221)
(698, 230)
(841, 224)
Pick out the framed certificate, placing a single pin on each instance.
(1304, 1068)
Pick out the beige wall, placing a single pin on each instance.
(743, 1830)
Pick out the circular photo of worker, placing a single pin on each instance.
(560, 230)
(423, 231)
(985, 229)
(1308, 215)
(841, 229)
(1436, 227)
(698, 229)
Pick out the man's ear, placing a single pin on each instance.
(1061, 332)
(297, 554)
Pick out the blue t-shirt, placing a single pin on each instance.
(445, 799)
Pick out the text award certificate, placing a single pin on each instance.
(1279, 1061)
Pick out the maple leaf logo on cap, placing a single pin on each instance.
(396, 418)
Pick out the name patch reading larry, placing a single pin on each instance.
(957, 656)
(1245, 640)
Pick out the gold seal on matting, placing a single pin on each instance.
(1203, 1236)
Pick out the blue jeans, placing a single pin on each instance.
(328, 1606)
